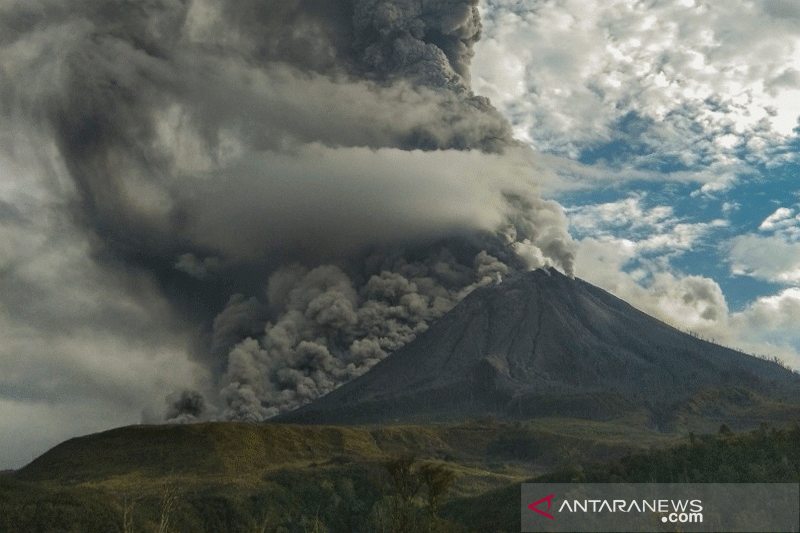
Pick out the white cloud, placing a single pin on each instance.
(779, 312)
(782, 218)
(730, 207)
(681, 237)
(691, 302)
(646, 229)
(770, 325)
(626, 212)
(767, 327)
(769, 258)
(689, 83)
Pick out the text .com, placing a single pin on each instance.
(683, 518)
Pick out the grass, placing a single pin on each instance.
(213, 450)
(240, 477)
(240, 473)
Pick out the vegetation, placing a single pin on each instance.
(397, 495)
(760, 456)
(348, 483)
(765, 455)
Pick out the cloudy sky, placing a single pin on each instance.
(674, 126)
(217, 210)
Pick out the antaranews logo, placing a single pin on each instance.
(549, 500)
(655, 507)
(674, 511)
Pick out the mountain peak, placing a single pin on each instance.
(540, 343)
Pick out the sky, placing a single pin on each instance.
(674, 127)
(211, 210)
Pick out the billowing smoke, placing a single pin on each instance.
(187, 406)
(328, 330)
(312, 179)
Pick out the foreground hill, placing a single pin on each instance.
(246, 478)
(543, 344)
(246, 452)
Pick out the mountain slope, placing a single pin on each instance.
(543, 344)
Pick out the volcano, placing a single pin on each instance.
(544, 344)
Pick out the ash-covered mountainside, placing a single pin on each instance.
(539, 344)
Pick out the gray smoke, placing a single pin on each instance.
(328, 330)
(188, 406)
(322, 161)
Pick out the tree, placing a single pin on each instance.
(414, 499)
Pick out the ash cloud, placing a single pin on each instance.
(188, 406)
(317, 176)
(329, 329)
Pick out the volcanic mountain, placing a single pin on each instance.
(544, 344)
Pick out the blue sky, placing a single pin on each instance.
(673, 126)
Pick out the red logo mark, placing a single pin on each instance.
(549, 500)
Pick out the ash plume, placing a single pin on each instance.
(187, 406)
(312, 179)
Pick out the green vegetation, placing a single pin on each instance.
(760, 456)
(235, 477)
(251, 478)
(396, 495)
(765, 455)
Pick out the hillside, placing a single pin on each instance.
(238, 477)
(222, 449)
(249, 451)
(763, 455)
(245, 478)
